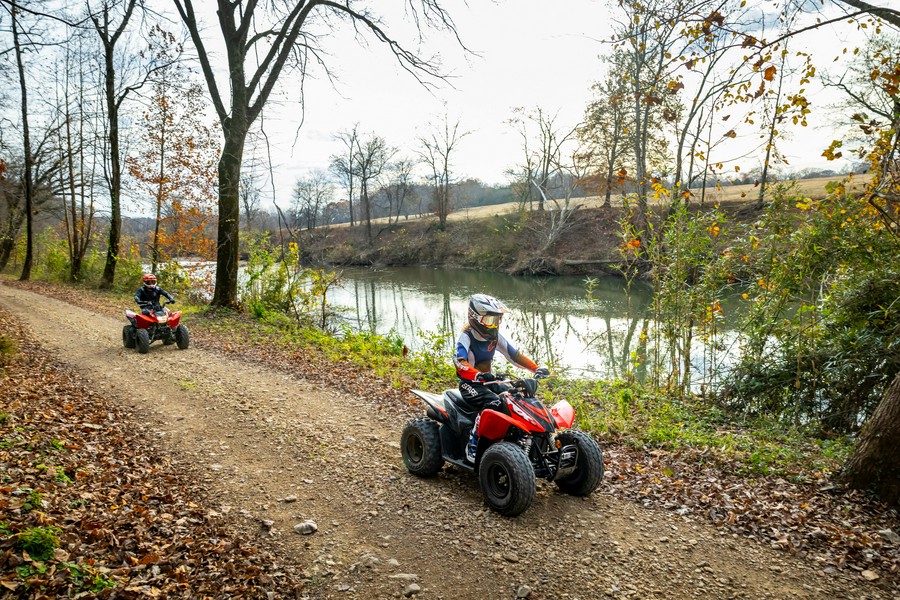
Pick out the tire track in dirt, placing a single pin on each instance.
(259, 436)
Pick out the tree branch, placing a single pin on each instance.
(15, 5)
(281, 47)
(890, 15)
(186, 10)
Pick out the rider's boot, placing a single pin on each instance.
(473, 442)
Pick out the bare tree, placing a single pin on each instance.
(543, 142)
(606, 120)
(282, 38)
(28, 172)
(398, 186)
(371, 157)
(437, 151)
(80, 211)
(311, 195)
(649, 34)
(109, 35)
(250, 195)
(342, 164)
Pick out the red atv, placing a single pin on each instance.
(525, 441)
(158, 323)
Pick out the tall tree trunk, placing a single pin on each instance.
(875, 464)
(115, 179)
(229, 212)
(160, 191)
(367, 206)
(109, 40)
(29, 159)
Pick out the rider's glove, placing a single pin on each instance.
(172, 301)
(541, 373)
(485, 377)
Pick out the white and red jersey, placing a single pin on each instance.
(475, 355)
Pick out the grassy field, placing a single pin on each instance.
(814, 188)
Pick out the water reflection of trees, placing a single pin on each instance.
(551, 318)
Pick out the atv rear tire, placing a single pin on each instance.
(128, 336)
(420, 445)
(588, 468)
(507, 479)
(182, 338)
(142, 339)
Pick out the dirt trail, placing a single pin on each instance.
(273, 447)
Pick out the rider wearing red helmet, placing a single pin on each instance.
(475, 349)
(148, 294)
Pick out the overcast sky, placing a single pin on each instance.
(529, 54)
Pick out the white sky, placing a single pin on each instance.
(531, 54)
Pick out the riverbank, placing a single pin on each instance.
(506, 242)
(509, 238)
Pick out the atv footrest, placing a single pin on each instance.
(462, 464)
(568, 460)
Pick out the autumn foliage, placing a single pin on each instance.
(175, 170)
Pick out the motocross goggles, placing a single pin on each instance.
(490, 321)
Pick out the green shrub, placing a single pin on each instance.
(8, 349)
(38, 542)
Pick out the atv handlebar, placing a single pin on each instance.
(145, 304)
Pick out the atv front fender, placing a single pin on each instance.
(493, 425)
(563, 414)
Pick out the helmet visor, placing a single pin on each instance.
(490, 321)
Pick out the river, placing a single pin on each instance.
(553, 319)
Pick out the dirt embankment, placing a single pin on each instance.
(505, 238)
(274, 450)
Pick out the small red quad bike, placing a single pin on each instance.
(525, 441)
(160, 324)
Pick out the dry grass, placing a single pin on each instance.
(814, 188)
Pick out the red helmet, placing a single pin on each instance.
(485, 314)
(150, 280)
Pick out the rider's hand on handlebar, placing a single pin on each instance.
(541, 373)
(485, 377)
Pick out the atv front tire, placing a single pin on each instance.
(182, 338)
(142, 338)
(128, 336)
(420, 445)
(588, 467)
(507, 479)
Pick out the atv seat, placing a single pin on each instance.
(459, 414)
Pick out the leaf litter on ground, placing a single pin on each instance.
(117, 518)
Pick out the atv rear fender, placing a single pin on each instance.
(435, 405)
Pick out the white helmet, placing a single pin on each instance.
(485, 315)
